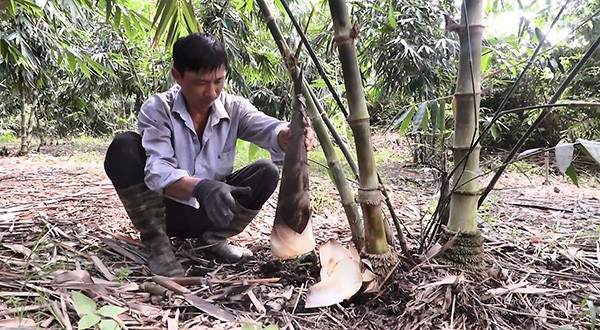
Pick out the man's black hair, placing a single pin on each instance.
(199, 52)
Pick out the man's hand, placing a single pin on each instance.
(217, 198)
(310, 141)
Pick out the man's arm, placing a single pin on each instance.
(182, 188)
(161, 170)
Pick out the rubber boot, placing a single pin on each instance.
(214, 241)
(146, 210)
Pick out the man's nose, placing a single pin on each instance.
(212, 91)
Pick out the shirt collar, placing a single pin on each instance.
(179, 107)
(218, 111)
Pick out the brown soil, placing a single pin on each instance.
(59, 213)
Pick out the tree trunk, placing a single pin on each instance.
(467, 251)
(31, 120)
(369, 194)
(23, 123)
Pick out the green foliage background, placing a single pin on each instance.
(77, 67)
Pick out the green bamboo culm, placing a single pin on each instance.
(333, 162)
(467, 251)
(369, 195)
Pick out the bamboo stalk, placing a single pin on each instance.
(465, 192)
(467, 250)
(314, 58)
(339, 142)
(339, 178)
(369, 193)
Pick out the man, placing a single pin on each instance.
(176, 178)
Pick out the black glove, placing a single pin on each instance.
(217, 198)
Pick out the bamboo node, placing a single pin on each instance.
(371, 196)
(269, 19)
(457, 148)
(357, 121)
(341, 39)
(468, 193)
(466, 252)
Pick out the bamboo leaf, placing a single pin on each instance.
(111, 311)
(409, 110)
(591, 148)
(172, 32)
(83, 304)
(572, 174)
(280, 6)
(407, 116)
(441, 118)
(590, 304)
(3, 49)
(418, 120)
(109, 325)
(117, 18)
(251, 326)
(539, 34)
(88, 321)
(391, 16)
(164, 18)
(564, 156)
(162, 4)
(109, 7)
(190, 17)
(83, 67)
(527, 153)
(485, 60)
(495, 132)
(127, 26)
(434, 115)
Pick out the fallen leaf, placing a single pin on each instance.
(343, 282)
(433, 251)
(520, 287)
(144, 309)
(531, 290)
(341, 276)
(17, 323)
(18, 248)
(450, 279)
(73, 276)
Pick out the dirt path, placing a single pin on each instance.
(61, 221)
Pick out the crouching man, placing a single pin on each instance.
(176, 179)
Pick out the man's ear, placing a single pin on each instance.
(176, 75)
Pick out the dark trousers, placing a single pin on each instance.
(124, 165)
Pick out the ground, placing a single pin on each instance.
(63, 230)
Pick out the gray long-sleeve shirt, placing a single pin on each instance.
(174, 151)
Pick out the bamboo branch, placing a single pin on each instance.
(510, 92)
(314, 58)
(339, 142)
(316, 115)
(540, 118)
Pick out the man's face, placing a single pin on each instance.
(201, 88)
